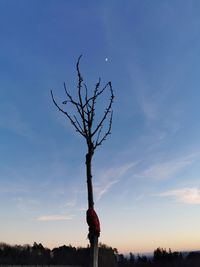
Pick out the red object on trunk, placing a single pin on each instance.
(93, 222)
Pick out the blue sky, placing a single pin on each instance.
(146, 175)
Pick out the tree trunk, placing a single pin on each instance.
(93, 261)
(94, 252)
(89, 179)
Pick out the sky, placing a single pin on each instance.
(146, 175)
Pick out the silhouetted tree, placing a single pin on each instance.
(64, 255)
(193, 259)
(163, 257)
(160, 255)
(131, 259)
(107, 257)
(141, 259)
(92, 131)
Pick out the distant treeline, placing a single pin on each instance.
(108, 257)
(161, 258)
(63, 255)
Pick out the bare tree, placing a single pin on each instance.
(94, 134)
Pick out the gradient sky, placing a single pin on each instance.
(147, 174)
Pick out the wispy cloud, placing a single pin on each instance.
(110, 177)
(11, 119)
(71, 203)
(149, 108)
(151, 99)
(8, 187)
(104, 188)
(167, 169)
(27, 205)
(55, 217)
(184, 195)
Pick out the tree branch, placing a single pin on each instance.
(88, 110)
(78, 123)
(85, 107)
(108, 110)
(80, 80)
(94, 98)
(98, 143)
(69, 117)
(76, 104)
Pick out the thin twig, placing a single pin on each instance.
(80, 80)
(69, 117)
(107, 110)
(98, 143)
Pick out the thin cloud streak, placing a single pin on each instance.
(71, 204)
(166, 170)
(110, 177)
(184, 195)
(104, 189)
(54, 217)
(11, 119)
(27, 205)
